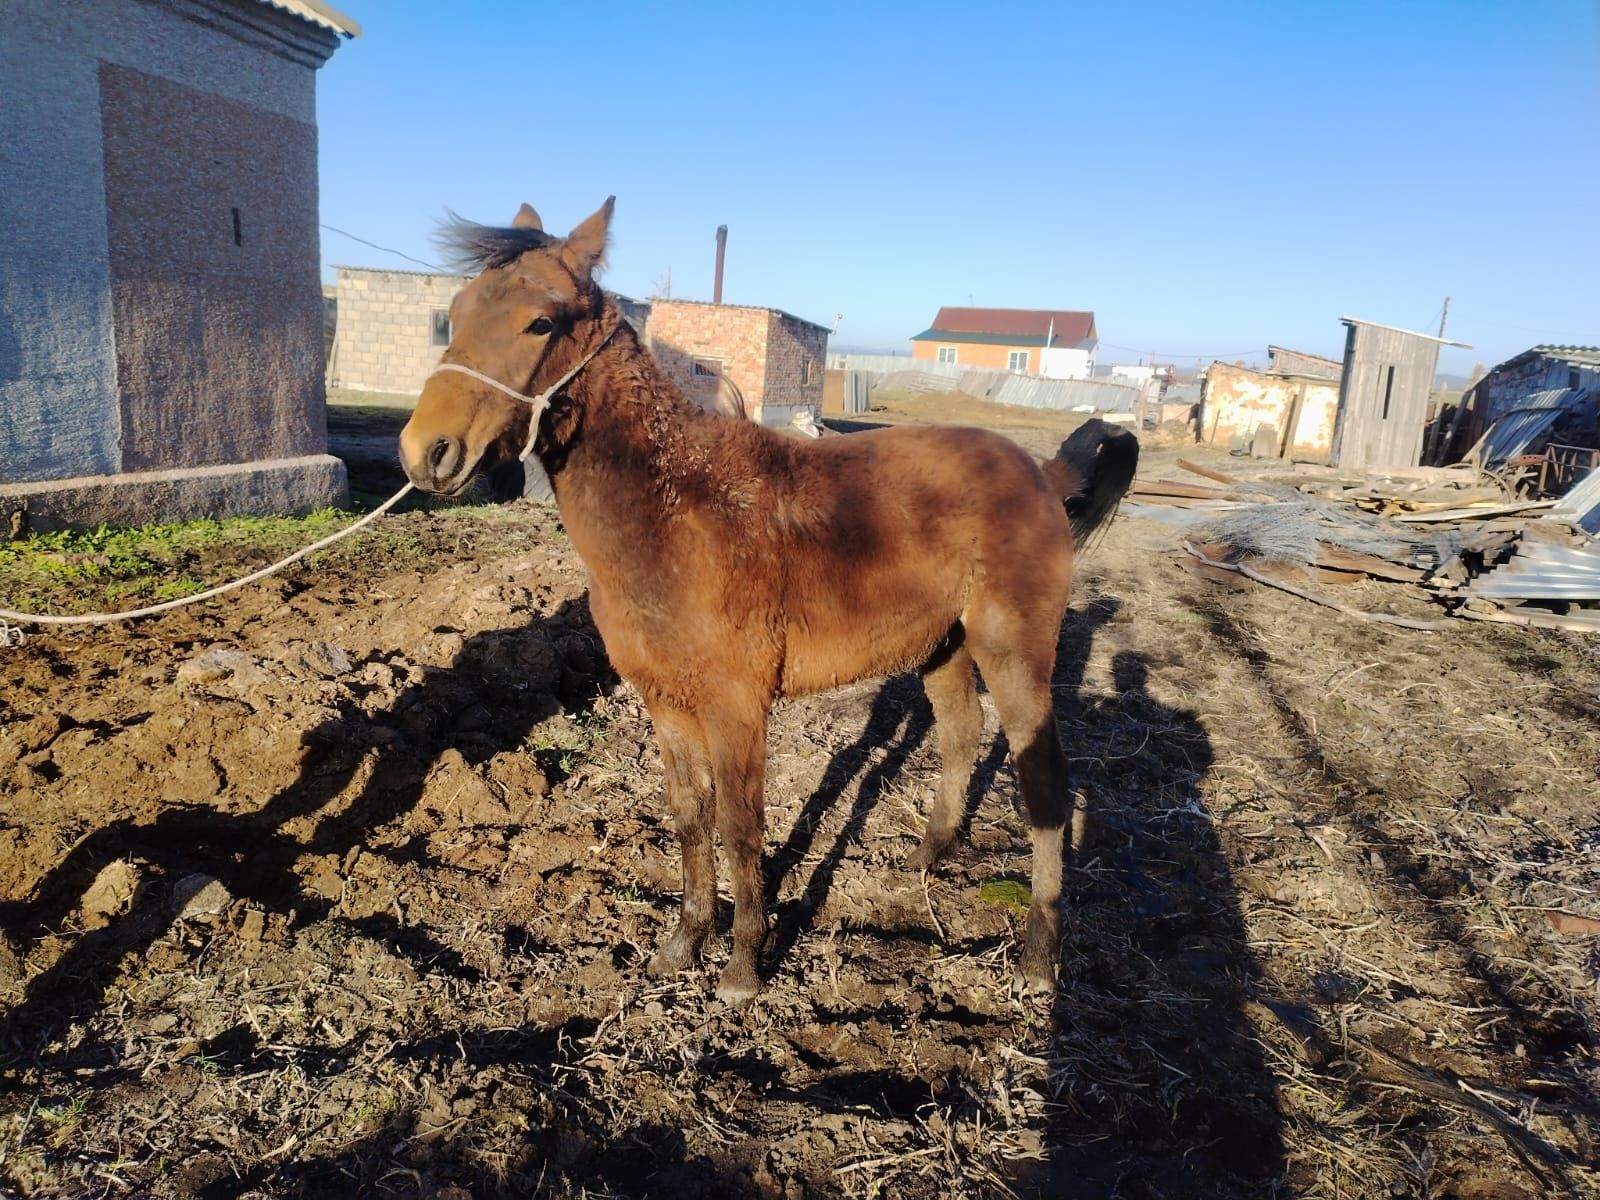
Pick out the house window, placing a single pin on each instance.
(1017, 360)
(808, 370)
(440, 327)
(706, 368)
(947, 354)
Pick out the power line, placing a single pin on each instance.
(387, 250)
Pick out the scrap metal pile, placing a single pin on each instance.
(1450, 538)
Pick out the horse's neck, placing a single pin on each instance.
(618, 473)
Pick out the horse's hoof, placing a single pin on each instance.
(737, 987)
(1034, 979)
(928, 853)
(677, 956)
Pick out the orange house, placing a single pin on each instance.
(1054, 343)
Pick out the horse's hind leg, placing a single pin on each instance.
(687, 770)
(1018, 677)
(947, 678)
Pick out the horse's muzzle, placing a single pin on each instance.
(443, 469)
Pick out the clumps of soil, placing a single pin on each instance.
(346, 886)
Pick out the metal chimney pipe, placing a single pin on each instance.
(722, 248)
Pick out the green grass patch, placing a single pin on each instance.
(1014, 895)
(81, 570)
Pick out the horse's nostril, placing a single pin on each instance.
(438, 453)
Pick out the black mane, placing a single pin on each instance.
(468, 246)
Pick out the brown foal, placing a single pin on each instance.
(730, 565)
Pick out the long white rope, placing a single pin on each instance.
(11, 636)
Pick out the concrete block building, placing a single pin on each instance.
(390, 327)
(761, 363)
(161, 349)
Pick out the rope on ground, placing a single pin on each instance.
(12, 636)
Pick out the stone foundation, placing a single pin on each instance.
(271, 487)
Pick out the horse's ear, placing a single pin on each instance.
(526, 218)
(586, 245)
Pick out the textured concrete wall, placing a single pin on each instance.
(58, 411)
(211, 210)
(1238, 401)
(384, 326)
(236, 70)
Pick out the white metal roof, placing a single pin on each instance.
(318, 13)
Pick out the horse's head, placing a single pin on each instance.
(527, 318)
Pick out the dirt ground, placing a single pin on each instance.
(344, 885)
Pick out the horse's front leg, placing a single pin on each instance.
(736, 736)
(686, 768)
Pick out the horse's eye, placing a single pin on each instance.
(542, 326)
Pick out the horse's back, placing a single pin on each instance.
(885, 535)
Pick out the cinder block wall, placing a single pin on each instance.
(383, 334)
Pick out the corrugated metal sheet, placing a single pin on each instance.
(883, 364)
(1540, 571)
(857, 392)
(1520, 427)
(1003, 387)
(1064, 394)
(1581, 506)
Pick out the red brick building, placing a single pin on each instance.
(762, 362)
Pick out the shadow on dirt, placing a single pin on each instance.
(444, 1164)
(253, 856)
(897, 726)
(1539, 1025)
(1160, 1089)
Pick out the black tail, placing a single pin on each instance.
(1092, 471)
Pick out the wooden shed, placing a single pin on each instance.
(1383, 395)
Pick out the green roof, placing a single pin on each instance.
(981, 339)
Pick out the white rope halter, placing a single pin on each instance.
(538, 403)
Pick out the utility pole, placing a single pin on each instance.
(1444, 313)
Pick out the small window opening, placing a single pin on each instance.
(1388, 392)
(1017, 360)
(439, 332)
(706, 368)
(947, 354)
(238, 234)
(808, 369)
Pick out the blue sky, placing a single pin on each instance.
(1208, 178)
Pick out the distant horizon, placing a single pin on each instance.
(1326, 161)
